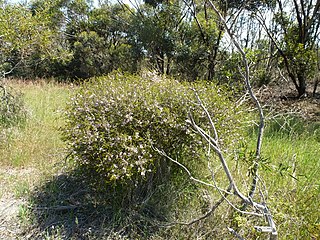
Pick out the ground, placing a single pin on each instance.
(280, 99)
(10, 201)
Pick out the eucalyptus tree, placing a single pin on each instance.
(154, 32)
(294, 32)
(112, 23)
(203, 40)
(26, 40)
(178, 38)
(208, 41)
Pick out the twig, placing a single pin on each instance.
(207, 214)
(56, 208)
(208, 116)
(235, 233)
(183, 167)
(232, 205)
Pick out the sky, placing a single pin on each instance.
(14, 1)
(23, 1)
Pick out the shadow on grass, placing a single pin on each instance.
(68, 207)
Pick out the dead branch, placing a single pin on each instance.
(260, 209)
(56, 208)
(252, 95)
(235, 233)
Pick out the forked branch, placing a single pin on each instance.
(259, 209)
(252, 95)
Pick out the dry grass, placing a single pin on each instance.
(29, 153)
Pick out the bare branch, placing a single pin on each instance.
(208, 116)
(235, 233)
(260, 210)
(232, 205)
(161, 152)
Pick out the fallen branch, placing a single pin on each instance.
(260, 209)
(56, 208)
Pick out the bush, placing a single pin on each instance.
(114, 123)
(12, 111)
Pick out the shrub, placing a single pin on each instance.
(114, 123)
(12, 111)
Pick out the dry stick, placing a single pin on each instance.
(272, 227)
(4, 74)
(56, 208)
(315, 86)
(253, 97)
(214, 144)
(235, 233)
(232, 205)
(223, 193)
(224, 164)
(208, 116)
(248, 200)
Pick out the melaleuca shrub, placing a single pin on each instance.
(114, 123)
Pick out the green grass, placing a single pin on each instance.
(31, 150)
(38, 142)
(32, 167)
(291, 175)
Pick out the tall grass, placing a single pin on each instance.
(30, 150)
(292, 149)
(38, 141)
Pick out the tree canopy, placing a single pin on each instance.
(78, 39)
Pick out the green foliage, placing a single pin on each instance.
(114, 123)
(96, 38)
(26, 40)
(301, 57)
(298, 44)
(155, 34)
(12, 110)
(196, 46)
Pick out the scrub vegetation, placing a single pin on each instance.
(55, 199)
(182, 119)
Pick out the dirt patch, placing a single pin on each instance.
(283, 100)
(13, 183)
(9, 222)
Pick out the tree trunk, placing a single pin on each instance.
(302, 89)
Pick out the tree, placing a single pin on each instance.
(98, 37)
(202, 42)
(26, 40)
(154, 31)
(112, 23)
(297, 25)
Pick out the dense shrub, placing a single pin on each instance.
(114, 123)
(12, 111)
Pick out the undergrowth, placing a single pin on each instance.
(291, 151)
(65, 205)
(12, 111)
